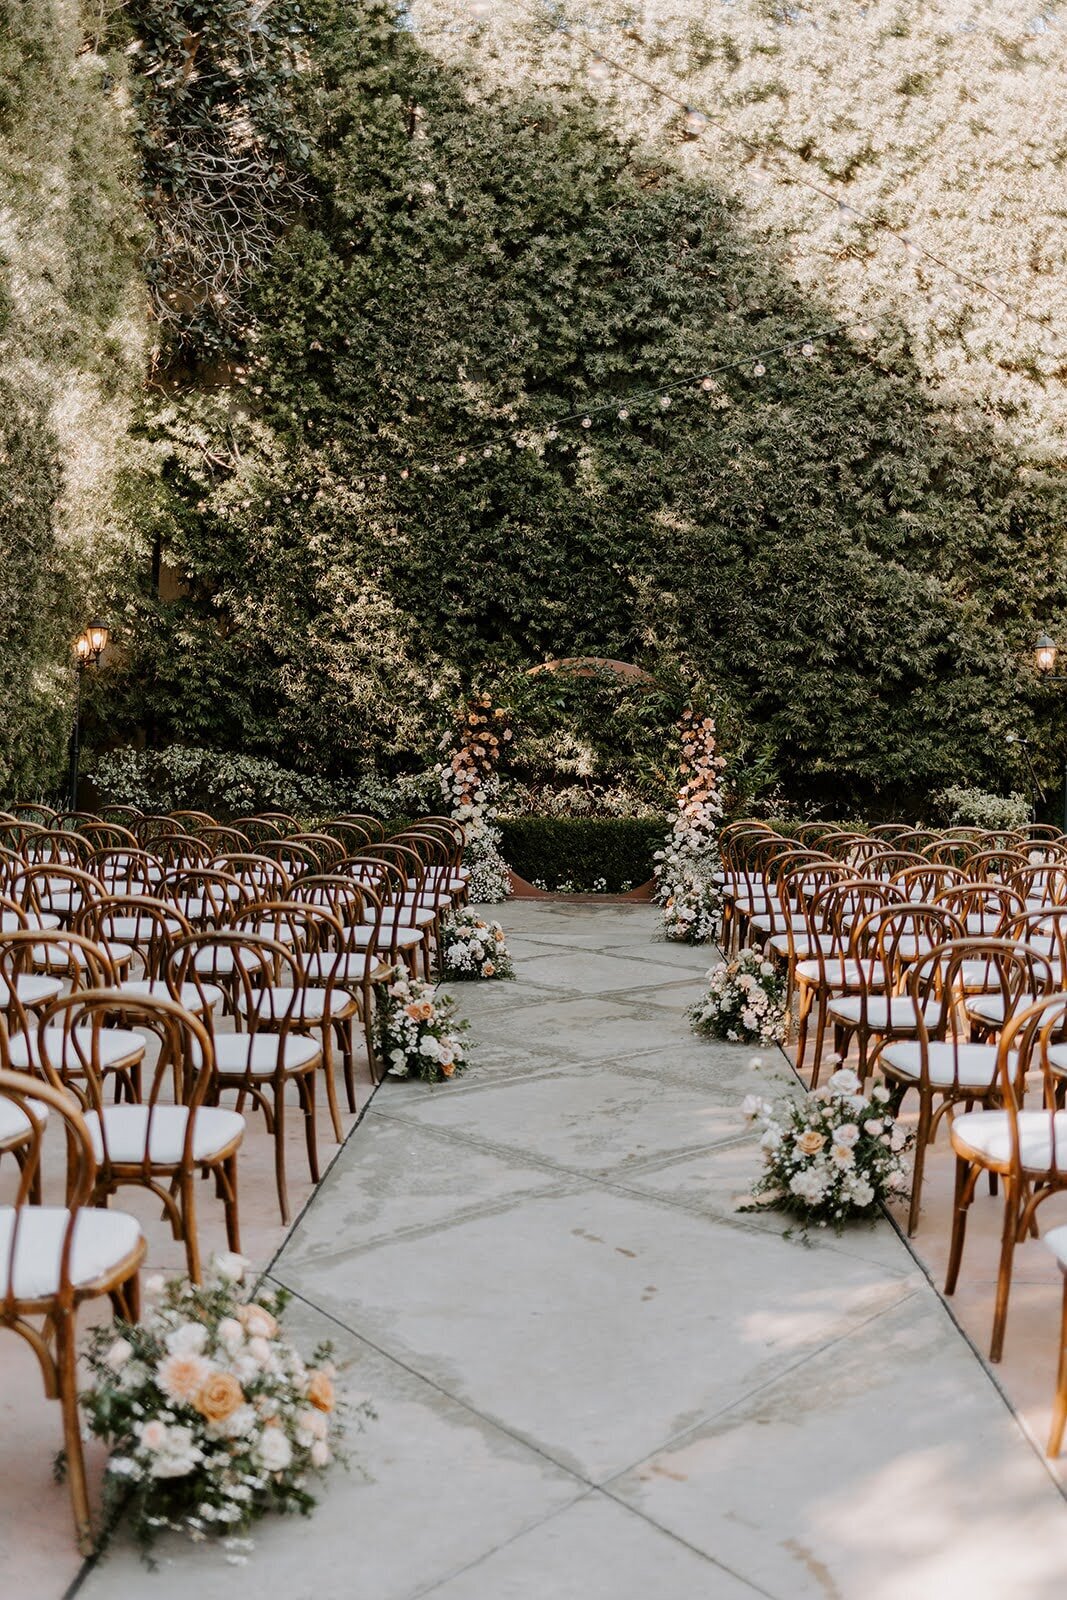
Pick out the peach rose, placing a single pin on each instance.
(320, 1391)
(257, 1321)
(810, 1142)
(182, 1377)
(447, 1068)
(220, 1397)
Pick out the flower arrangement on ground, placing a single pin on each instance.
(472, 946)
(211, 1416)
(744, 1002)
(835, 1153)
(685, 868)
(418, 1034)
(471, 787)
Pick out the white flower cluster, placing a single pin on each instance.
(212, 1416)
(473, 947)
(686, 887)
(833, 1154)
(489, 880)
(744, 1002)
(416, 1029)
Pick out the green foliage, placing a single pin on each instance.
(958, 806)
(852, 547)
(71, 355)
(608, 853)
(226, 784)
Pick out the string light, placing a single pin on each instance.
(598, 70)
(694, 122)
(758, 370)
(481, 9)
(587, 422)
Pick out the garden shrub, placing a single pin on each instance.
(959, 806)
(606, 854)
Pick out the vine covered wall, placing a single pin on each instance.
(72, 352)
(471, 238)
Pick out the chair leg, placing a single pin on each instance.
(306, 1089)
(67, 1373)
(279, 1149)
(820, 1035)
(331, 1087)
(959, 1225)
(1059, 1409)
(922, 1136)
(803, 1012)
(187, 1204)
(1007, 1259)
(233, 1220)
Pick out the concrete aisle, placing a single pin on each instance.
(594, 1379)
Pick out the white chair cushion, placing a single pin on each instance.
(403, 938)
(765, 923)
(971, 1066)
(273, 1004)
(897, 1013)
(990, 1007)
(988, 1133)
(116, 1044)
(10, 921)
(102, 1239)
(31, 990)
(261, 1054)
(136, 929)
(51, 956)
(841, 974)
(15, 1124)
(408, 916)
(127, 1129)
(349, 967)
(188, 995)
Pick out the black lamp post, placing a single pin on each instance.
(1046, 655)
(89, 646)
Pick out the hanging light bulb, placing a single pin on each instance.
(553, 433)
(807, 348)
(461, 461)
(404, 472)
(694, 122)
(758, 370)
(436, 467)
(707, 383)
(623, 413)
(598, 70)
(587, 422)
(665, 401)
(487, 452)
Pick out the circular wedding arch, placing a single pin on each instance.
(586, 667)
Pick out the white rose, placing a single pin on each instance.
(230, 1333)
(430, 1048)
(153, 1435)
(847, 1134)
(229, 1266)
(274, 1450)
(118, 1354)
(188, 1340)
(320, 1454)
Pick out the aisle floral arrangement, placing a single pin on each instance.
(834, 1154)
(212, 1417)
(685, 884)
(744, 1002)
(472, 946)
(470, 787)
(417, 1032)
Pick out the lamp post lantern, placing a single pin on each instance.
(1046, 656)
(89, 646)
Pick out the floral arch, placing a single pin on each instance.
(469, 775)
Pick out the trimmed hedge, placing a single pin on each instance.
(610, 854)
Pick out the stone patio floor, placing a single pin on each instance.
(593, 1377)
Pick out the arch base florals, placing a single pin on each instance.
(470, 787)
(686, 885)
(212, 1418)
